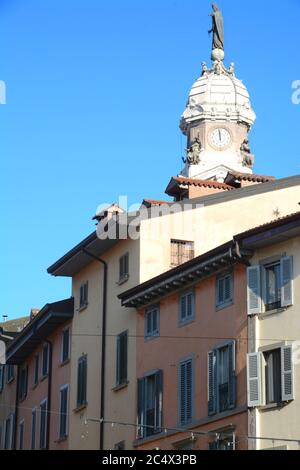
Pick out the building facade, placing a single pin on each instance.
(40, 357)
(274, 329)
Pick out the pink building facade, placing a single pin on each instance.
(41, 355)
(191, 355)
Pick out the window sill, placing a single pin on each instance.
(271, 406)
(83, 307)
(120, 386)
(151, 337)
(80, 408)
(268, 313)
(123, 280)
(64, 363)
(224, 305)
(61, 439)
(186, 322)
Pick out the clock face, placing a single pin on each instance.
(220, 138)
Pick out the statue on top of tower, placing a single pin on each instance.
(217, 28)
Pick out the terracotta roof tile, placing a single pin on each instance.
(203, 183)
(154, 202)
(251, 177)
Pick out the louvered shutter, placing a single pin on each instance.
(141, 408)
(286, 272)
(183, 309)
(254, 290)
(189, 385)
(232, 375)
(254, 379)
(287, 379)
(212, 383)
(158, 400)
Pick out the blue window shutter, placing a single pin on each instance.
(186, 392)
(183, 309)
(232, 375)
(212, 383)
(141, 408)
(189, 391)
(182, 393)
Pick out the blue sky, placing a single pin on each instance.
(95, 90)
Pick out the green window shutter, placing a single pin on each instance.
(212, 383)
(287, 379)
(254, 290)
(286, 272)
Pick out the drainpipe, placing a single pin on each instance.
(49, 394)
(103, 349)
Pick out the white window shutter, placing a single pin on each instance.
(287, 379)
(254, 379)
(254, 290)
(286, 281)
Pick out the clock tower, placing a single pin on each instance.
(217, 120)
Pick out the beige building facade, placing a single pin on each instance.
(274, 333)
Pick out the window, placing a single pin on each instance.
(272, 364)
(152, 322)
(10, 373)
(124, 268)
(225, 441)
(270, 285)
(65, 346)
(21, 435)
(84, 295)
(186, 392)
(122, 358)
(270, 377)
(187, 307)
(221, 379)
(63, 415)
(45, 360)
(33, 428)
(181, 252)
(82, 381)
(224, 290)
(43, 424)
(1, 378)
(8, 436)
(150, 405)
(36, 369)
(23, 383)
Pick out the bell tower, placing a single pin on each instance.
(217, 118)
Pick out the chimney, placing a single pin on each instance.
(33, 313)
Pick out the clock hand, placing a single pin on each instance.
(220, 136)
